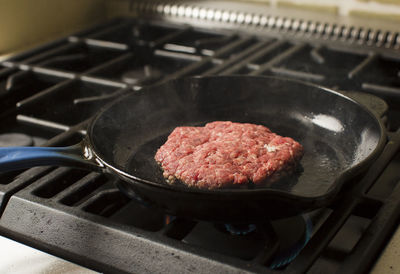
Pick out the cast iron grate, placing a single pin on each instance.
(67, 211)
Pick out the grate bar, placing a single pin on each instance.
(206, 60)
(253, 66)
(362, 65)
(179, 48)
(236, 67)
(168, 37)
(42, 123)
(9, 64)
(32, 99)
(49, 53)
(95, 197)
(92, 176)
(298, 74)
(381, 90)
(63, 58)
(109, 63)
(177, 55)
(51, 176)
(53, 72)
(57, 181)
(105, 44)
(187, 70)
(22, 180)
(277, 59)
(240, 56)
(108, 30)
(217, 61)
(373, 239)
(6, 71)
(105, 203)
(61, 138)
(99, 98)
(39, 69)
(102, 81)
(12, 79)
(316, 55)
(232, 46)
(204, 42)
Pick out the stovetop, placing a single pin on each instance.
(48, 96)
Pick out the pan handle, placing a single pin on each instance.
(15, 158)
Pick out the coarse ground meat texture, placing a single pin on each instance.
(227, 154)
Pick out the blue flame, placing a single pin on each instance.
(288, 256)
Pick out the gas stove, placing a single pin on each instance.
(49, 95)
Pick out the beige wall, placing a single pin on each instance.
(25, 23)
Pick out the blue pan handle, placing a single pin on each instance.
(15, 158)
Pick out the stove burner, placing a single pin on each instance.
(240, 229)
(15, 139)
(145, 74)
(247, 240)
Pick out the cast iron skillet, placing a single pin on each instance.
(340, 136)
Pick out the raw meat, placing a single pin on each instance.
(225, 154)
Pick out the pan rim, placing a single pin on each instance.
(335, 187)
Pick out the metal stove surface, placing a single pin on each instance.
(50, 94)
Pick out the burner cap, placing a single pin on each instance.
(15, 139)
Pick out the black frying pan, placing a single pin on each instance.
(340, 136)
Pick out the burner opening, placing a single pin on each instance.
(91, 183)
(58, 180)
(107, 204)
(150, 220)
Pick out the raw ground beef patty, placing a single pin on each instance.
(224, 154)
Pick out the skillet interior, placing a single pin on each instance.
(336, 132)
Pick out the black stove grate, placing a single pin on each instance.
(51, 93)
